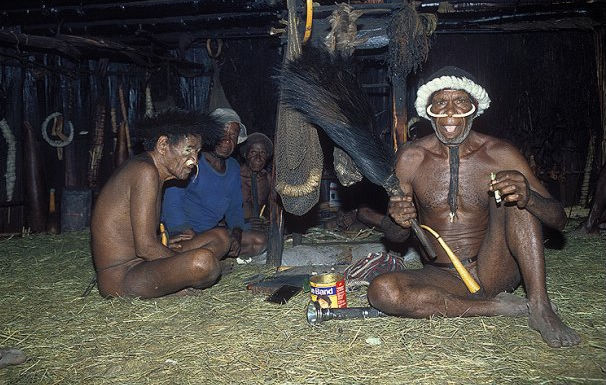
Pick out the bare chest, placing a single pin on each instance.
(431, 185)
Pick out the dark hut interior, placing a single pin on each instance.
(76, 77)
(539, 61)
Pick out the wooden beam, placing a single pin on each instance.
(77, 48)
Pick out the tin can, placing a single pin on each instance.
(328, 290)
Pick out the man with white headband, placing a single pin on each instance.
(446, 181)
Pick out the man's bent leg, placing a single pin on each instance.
(525, 240)
(150, 279)
(433, 291)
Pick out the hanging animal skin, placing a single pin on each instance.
(11, 153)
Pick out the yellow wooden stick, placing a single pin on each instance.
(308, 20)
(163, 234)
(261, 212)
(468, 280)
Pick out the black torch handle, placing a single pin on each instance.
(353, 312)
(316, 314)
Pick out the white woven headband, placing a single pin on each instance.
(453, 83)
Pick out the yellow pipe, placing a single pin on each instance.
(471, 283)
(308, 19)
(163, 235)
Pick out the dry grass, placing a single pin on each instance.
(226, 335)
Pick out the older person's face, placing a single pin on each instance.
(256, 157)
(230, 139)
(451, 129)
(182, 156)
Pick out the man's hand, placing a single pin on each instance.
(402, 210)
(236, 243)
(174, 243)
(513, 187)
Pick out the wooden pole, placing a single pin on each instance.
(275, 241)
(35, 192)
(398, 112)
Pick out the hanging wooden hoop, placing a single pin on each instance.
(63, 141)
(308, 20)
(210, 50)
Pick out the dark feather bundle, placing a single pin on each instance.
(326, 92)
(324, 89)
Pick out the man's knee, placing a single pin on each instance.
(206, 267)
(384, 292)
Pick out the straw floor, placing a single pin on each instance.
(226, 335)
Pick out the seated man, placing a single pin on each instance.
(256, 180)
(446, 181)
(214, 195)
(129, 257)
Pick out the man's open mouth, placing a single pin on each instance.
(450, 129)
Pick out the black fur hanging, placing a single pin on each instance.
(326, 91)
(453, 188)
(409, 35)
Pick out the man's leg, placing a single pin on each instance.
(434, 291)
(253, 243)
(150, 279)
(197, 265)
(524, 239)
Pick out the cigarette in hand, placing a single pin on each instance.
(497, 193)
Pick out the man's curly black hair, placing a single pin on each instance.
(176, 125)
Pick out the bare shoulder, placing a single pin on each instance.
(141, 169)
(409, 158)
(503, 151)
(412, 152)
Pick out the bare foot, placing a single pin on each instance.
(9, 356)
(554, 332)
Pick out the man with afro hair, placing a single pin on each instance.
(129, 255)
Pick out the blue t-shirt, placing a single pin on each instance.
(206, 200)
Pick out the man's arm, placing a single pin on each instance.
(144, 214)
(520, 186)
(401, 208)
